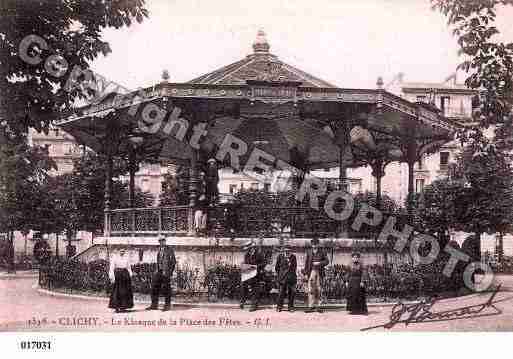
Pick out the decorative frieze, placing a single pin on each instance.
(266, 92)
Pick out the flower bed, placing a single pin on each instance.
(222, 281)
(503, 267)
(21, 263)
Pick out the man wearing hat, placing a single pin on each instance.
(316, 260)
(253, 258)
(211, 181)
(231, 217)
(161, 281)
(286, 266)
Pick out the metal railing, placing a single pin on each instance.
(457, 112)
(152, 220)
(229, 221)
(249, 221)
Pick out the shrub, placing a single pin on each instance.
(222, 281)
(504, 267)
(97, 273)
(142, 277)
(187, 279)
(335, 277)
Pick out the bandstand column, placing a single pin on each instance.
(378, 171)
(343, 141)
(342, 175)
(193, 189)
(108, 193)
(411, 157)
(378, 167)
(132, 168)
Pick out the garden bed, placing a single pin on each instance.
(221, 283)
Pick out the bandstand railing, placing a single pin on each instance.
(148, 221)
(274, 221)
(222, 220)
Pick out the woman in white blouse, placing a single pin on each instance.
(120, 273)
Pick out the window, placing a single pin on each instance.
(419, 185)
(444, 104)
(475, 101)
(444, 160)
(233, 188)
(267, 187)
(421, 98)
(421, 163)
(75, 148)
(145, 185)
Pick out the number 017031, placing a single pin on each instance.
(35, 345)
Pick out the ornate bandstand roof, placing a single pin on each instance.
(271, 105)
(260, 65)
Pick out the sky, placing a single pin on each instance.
(348, 43)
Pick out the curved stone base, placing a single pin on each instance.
(203, 252)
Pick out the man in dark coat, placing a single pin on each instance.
(10, 256)
(231, 218)
(161, 281)
(254, 256)
(286, 266)
(316, 260)
(211, 181)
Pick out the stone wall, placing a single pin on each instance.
(202, 253)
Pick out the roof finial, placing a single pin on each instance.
(261, 45)
(379, 83)
(165, 75)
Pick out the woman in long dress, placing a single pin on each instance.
(200, 215)
(356, 298)
(120, 272)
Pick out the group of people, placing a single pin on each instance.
(286, 274)
(120, 273)
(252, 278)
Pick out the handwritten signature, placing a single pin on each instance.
(422, 312)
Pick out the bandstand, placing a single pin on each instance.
(259, 107)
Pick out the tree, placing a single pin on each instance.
(35, 94)
(485, 206)
(486, 202)
(435, 210)
(387, 206)
(175, 188)
(141, 199)
(75, 201)
(70, 203)
(87, 190)
(23, 171)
